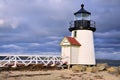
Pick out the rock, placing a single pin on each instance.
(102, 66)
(98, 77)
(83, 68)
(92, 69)
(78, 68)
(119, 69)
(75, 68)
(113, 70)
(89, 69)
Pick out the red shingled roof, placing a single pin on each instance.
(73, 41)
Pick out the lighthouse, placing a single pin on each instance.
(79, 47)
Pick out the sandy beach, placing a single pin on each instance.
(56, 75)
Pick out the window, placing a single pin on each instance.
(78, 17)
(75, 33)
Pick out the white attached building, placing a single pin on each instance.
(70, 48)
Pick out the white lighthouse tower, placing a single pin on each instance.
(79, 48)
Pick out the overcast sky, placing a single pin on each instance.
(38, 26)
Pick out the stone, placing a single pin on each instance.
(89, 69)
(78, 68)
(75, 68)
(98, 77)
(82, 68)
(94, 70)
(102, 66)
(113, 70)
(119, 69)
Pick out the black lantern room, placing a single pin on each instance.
(82, 20)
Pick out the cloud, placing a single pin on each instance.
(37, 53)
(105, 2)
(40, 25)
(13, 24)
(2, 21)
(35, 44)
(54, 37)
(12, 46)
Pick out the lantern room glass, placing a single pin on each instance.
(82, 16)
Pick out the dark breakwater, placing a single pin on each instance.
(109, 62)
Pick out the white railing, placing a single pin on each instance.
(15, 60)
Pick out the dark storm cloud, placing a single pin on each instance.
(107, 17)
(35, 26)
